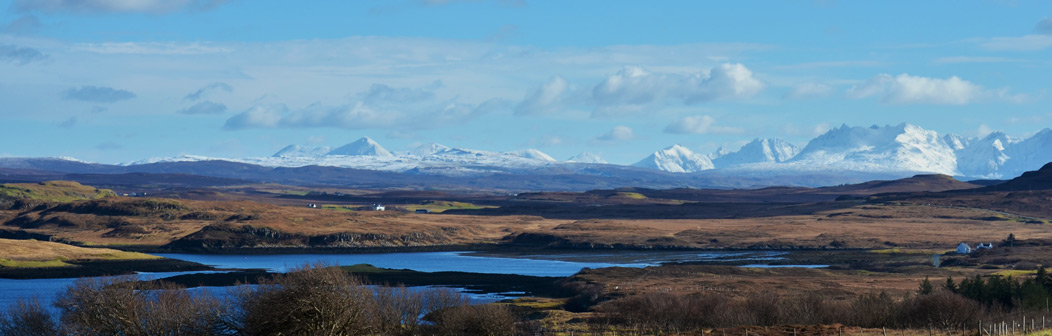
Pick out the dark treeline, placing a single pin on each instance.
(954, 306)
(312, 300)
(670, 313)
(1030, 293)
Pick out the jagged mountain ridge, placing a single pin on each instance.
(676, 159)
(757, 151)
(892, 151)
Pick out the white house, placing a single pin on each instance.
(379, 207)
(963, 248)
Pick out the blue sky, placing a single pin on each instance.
(122, 80)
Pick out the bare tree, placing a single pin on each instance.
(27, 318)
(483, 320)
(122, 306)
(309, 300)
(398, 310)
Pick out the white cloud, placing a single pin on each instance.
(259, 116)
(633, 88)
(808, 91)
(617, 134)
(380, 106)
(907, 89)
(727, 81)
(549, 98)
(1021, 43)
(115, 6)
(984, 130)
(701, 124)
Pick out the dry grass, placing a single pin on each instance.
(53, 191)
(33, 253)
(880, 227)
(884, 228)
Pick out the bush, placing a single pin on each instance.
(27, 318)
(489, 320)
(310, 300)
(118, 306)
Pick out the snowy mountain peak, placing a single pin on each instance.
(956, 142)
(903, 147)
(676, 159)
(758, 151)
(362, 147)
(429, 149)
(586, 157)
(533, 154)
(302, 151)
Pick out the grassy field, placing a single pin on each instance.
(33, 253)
(53, 191)
(440, 206)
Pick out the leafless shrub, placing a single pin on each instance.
(490, 320)
(118, 306)
(943, 310)
(398, 310)
(438, 299)
(812, 308)
(310, 300)
(27, 318)
(764, 307)
(873, 311)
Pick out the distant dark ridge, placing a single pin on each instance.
(1040, 179)
(987, 183)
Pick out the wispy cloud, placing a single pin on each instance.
(615, 135)
(380, 106)
(830, 64)
(97, 94)
(1021, 43)
(115, 6)
(209, 89)
(808, 91)
(153, 48)
(1044, 26)
(908, 89)
(632, 89)
(205, 107)
(701, 124)
(23, 25)
(976, 59)
(20, 55)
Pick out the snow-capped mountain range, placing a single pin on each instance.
(903, 149)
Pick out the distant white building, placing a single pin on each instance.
(312, 205)
(984, 246)
(963, 248)
(379, 207)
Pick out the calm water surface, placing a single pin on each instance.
(535, 264)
